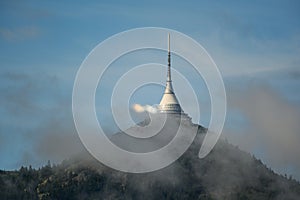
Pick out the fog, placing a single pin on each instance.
(270, 126)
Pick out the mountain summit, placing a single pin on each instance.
(226, 173)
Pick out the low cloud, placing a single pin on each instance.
(38, 124)
(270, 126)
(146, 108)
(59, 140)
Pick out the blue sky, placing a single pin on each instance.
(256, 45)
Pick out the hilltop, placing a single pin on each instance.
(226, 173)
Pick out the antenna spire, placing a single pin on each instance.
(169, 60)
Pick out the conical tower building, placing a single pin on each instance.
(169, 103)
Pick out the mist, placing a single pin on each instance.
(267, 125)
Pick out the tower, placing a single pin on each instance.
(169, 102)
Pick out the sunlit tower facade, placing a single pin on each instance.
(169, 103)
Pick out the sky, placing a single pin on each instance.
(256, 45)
